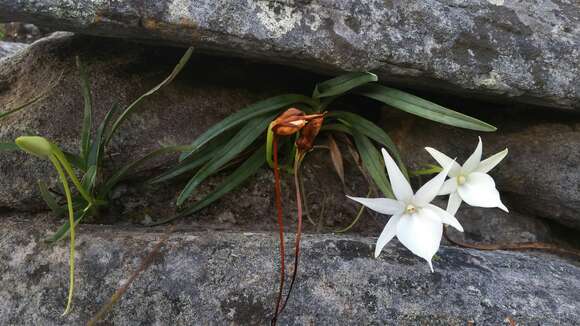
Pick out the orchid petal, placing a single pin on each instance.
(444, 160)
(421, 233)
(382, 205)
(453, 203)
(449, 186)
(445, 217)
(479, 190)
(387, 235)
(473, 161)
(490, 162)
(432, 188)
(401, 187)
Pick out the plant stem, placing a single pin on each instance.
(358, 215)
(71, 218)
(513, 246)
(297, 163)
(278, 200)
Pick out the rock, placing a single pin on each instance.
(504, 50)
(9, 48)
(539, 177)
(230, 278)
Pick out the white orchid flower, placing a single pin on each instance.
(416, 222)
(470, 183)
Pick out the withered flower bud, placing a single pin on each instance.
(308, 134)
(289, 122)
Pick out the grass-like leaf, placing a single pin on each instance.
(371, 130)
(89, 179)
(343, 84)
(96, 150)
(125, 170)
(246, 136)
(5, 147)
(88, 110)
(423, 108)
(152, 91)
(243, 172)
(32, 101)
(372, 162)
(50, 200)
(243, 115)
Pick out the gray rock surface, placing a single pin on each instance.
(500, 49)
(217, 278)
(8, 48)
(539, 176)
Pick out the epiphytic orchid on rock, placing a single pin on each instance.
(416, 222)
(470, 183)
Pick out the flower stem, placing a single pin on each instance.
(297, 163)
(278, 199)
(71, 261)
(513, 246)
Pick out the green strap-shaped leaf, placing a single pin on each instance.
(96, 149)
(125, 170)
(193, 162)
(246, 136)
(343, 84)
(88, 110)
(372, 162)
(372, 131)
(243, 172)
(89, 179)
(5, 147)
(63, 229)
(33, 100)
(423, 108)
(245, 114)
(51, 202)
(152, 91)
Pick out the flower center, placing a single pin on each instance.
(461, 179)
(410, 209)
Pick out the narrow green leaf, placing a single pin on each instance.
(372, 131)
(152, 91)
(343, 84)
(88, 110)
(423, 108)
(75, 161)
(243, 172)
(88, 181)
(372, 162)
(245, 114)
(125, 170)
(51, 202)
(5, 147)
(246, 136)
(96, 149)
(33, 100)
(63, 230)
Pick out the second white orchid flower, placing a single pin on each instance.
(470, 183)
(416, 222)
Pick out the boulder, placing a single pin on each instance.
(230, 278)
(539, 177)
(502, 50)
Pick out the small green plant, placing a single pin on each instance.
(95, 186)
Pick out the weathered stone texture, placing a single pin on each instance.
(524, 50)
(217, 278)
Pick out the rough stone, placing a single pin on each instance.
(525, 51)
(206, 278)
(540, 175)
(8, 48)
